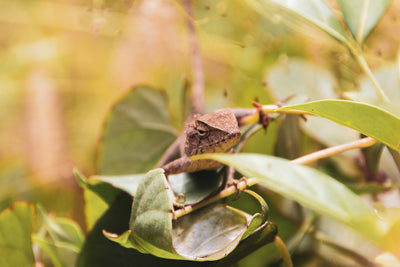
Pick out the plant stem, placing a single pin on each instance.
(197, 62)
(364, 66)
(364, 142)
(362, 22)
(280, 245)
(223, 194)
(254, 118)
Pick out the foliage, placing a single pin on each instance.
(16, 224)
(254, 50)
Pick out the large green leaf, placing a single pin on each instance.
(15, 235)
(210, 233)
(136, 133)
(315, 12)
(207, 234)
(98, 189)
(314, 190)
(361, 16)
(367, 119)
(151, 216)
(101, 252)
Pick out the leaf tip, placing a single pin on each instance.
(109, 234)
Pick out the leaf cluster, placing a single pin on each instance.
(129, 205)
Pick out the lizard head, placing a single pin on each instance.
(214, 132)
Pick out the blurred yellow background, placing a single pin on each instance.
(64, 63)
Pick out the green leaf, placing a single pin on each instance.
(95, 206)
(15, 235)
(101, 252)
(264, 235)
(367, 119)
(136, 133)
(315, 12)
(207, 234)
(63, 231)
(103, 190)
(361, 16)
(312, 189)
(98, 196)
(258, 218)
(151, 216)
(210, 233)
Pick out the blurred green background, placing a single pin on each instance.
(64, 63)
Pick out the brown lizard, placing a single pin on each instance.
(210, 133)
(216, 132)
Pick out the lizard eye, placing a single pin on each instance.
(201, 130)
(202, 133)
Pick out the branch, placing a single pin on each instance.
(356, 51)
(364, 142)
(223, 194)
(197, 62)
(254, 117)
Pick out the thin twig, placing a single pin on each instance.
(364, 142)
(197, 62)
(362, 22)
(223, 194)
(356, 51)
(254, 118)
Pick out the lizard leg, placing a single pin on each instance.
(177, 166)
(171, 168)
(231, 181)
(177, 199)
(230, 176)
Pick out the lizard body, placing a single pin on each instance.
(210, 133)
